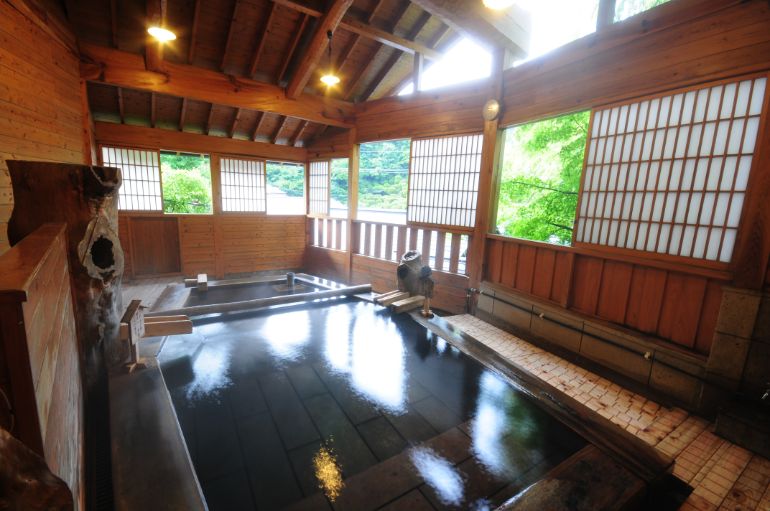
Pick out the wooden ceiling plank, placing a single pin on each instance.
(182, 114)
(258, 125)
(121, 106)
(105, 65)
(209, 119)
(317, 135)
(261, 43)
(194, 32)
(293, 46)
(360, 28)
(298, 133)
(508, 29)
(114, 22)
(153, 109)
(229, 40)
(279, 129)
(236, 118)
(317, 47)
(343, 58)
(393, 59)
(153, 50)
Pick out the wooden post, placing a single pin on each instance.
(216, 197)
(490, 152)
(352, 195)
(606, 16)
(419, 62)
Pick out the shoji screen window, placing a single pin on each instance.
(669, 174)
(319, 187)
(141, 177)
(243, 185)
(444, 180)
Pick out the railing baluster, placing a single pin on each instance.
(318, 233)
(338, 225)
(454, 254)
(427, 235)
(388, 255)
(440, 241)
(412, 238)
(401, 244)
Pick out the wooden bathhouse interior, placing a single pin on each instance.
(385, 254)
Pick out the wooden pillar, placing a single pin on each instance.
(216, 199)
(89, 142)
(352, 194)
(490, 151)
(419, 62)
(606, 15)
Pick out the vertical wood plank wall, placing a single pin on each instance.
(41, 115)
(39, 363)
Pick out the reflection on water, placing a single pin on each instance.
(286, 333)
(328, 473)
(210, 370)
(337, 345)
(439, 474)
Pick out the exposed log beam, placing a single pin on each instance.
(363, 29)
(100, 64)
(394, 58)
(236, 118)
(317, 47)
(508, 28)
(261, 43)
(293, 46)
(182, 114)
(136, 136)
(298, 133)
(229, 40)
(278, 131)
(258, 125)
(194, 32)
(153, 51)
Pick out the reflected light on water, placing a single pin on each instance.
(328, 473)
(439, 474)
(337, 347)
(210, 370)
(287, 343)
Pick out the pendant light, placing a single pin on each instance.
(330, 79)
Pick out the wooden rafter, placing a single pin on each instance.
(278, 131)
(261, 43)
(182, 114)
(293, 46)
(194, 32)
(258, 125)
(153, 50)
(317, 46)
(298, 133)
(209, 119)
(394, 58)
(433, 43)
(236, 118)
(356, 37)
(317, 135)
(229, 40)
(358, 27)
(104, 65)
(153, 109)
(114, 22)
(121, 106)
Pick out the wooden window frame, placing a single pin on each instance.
(309, 187)
(100, 159)
(305, 191)
(219, 200)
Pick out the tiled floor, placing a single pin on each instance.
(723, 475)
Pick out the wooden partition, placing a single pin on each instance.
(675, 303)
(39, 362)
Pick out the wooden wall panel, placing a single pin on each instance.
(155, 242)
(251, 243)
(197, 244)
(41, 115)
(41, 367)
(331, 264)
(664, 302)
(125, 241)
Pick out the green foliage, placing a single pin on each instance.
(383, 174)
(339, 180)
(287, 177)
(626, 8)
(542, 163)
(186, 183)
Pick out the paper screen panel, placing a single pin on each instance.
(243, 185)
(140, 169)
(669, 174)
(443, 180)
(319, 187)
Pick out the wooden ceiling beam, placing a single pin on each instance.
(258, 125)
(433, 43)
(138, 136)
(293, 46)
(182, 114)
(153, 49)
(261, 43)
(279, 129)
(298, 133)
(369, 31)
(122, 69)
(317, 47)
(236, 118)
(508, 28)
(229, 40)
(194, 32)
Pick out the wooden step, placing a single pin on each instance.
(407, 304)
(401, 295)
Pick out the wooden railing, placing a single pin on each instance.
(329, 233)
(443, 249)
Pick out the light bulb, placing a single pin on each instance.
(498, 5)
(161, 34)
(330, 79)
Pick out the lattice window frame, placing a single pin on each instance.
(693, 250)
(260, 194)
(430, 205)
(126, 195)
(318, 187)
